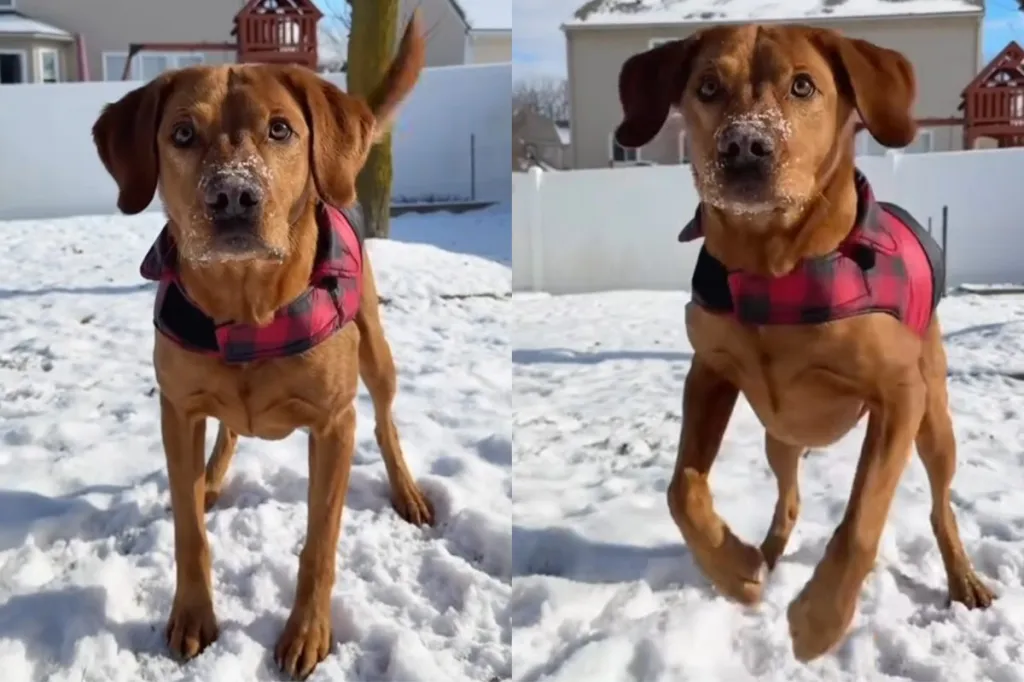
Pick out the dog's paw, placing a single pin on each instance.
(305, 642)
(412, 505)
(970, 591)
(191, 628)
(816, 625)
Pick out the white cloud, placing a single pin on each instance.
(538, 42)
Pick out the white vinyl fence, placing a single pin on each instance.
(613, 229)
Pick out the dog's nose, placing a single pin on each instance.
(233, 197)
(742, 145)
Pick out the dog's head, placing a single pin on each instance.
(768, 110)
(239, 153)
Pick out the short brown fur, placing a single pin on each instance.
(809, 385)
(229, 108)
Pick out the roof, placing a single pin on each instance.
(486, 15)
(12, 23)
(625, 12)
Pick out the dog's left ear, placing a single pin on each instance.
(649, 84)
(125, 139)
(880, 83)
(341, 131)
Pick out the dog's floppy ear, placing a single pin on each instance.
(341, 130)
(649, 84)
(880, 83)
(342, 126)
(125, 138)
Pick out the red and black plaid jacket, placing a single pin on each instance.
(887, 264)
(330, 302)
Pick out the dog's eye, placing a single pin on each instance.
(279, 130)
(707, 89)
(183, 135)
(803, 86)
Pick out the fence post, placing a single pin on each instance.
(536, 228)
(945, 242)
(472, 167)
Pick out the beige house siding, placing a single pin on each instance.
(31, 51)
(446, 40)
(110, 25)
(489, 47)
(945, 52)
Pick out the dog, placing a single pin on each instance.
(267, 308)
(810, 298)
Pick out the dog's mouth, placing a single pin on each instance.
(236, 240)
(742, 190)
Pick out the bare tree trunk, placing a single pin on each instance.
(370, 48)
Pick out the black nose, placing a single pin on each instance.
(742, 145)
(233, 197)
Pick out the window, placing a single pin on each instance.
(622, 155)
(147, 65)
(12, 67)
(150, 65)
(869, 146)
(48, 66)
(7, 4)
(113, 65)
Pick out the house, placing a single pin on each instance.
(537, 138)
(49, 36)
(942, 38)
(483, 34)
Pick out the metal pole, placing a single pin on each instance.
(945, 240)
(472, 167)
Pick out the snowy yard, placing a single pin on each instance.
(603, 589)
(86, 543)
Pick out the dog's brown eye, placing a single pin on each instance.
(803, 87)
(183, 135)
(707, 89)
(280, 130)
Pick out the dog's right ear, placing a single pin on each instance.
(649, 84)
(125, 137)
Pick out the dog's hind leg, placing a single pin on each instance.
(377, 370)
(220, 462)
(784, 461)
(936, 445)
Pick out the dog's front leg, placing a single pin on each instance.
(307, 636)
(734, 567)
(192, 625)
(822, 612)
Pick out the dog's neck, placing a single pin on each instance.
(772, 244)
(251, 292)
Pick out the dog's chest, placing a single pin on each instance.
(268, 399)
(797, 394)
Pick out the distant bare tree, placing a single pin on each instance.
(546, 96)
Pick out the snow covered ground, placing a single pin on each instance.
(603, 589)
(86, 561)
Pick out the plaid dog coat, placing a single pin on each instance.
(888, 264)
(328, 304)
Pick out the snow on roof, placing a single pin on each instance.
(613, 12)
(14, 23)
(488, 15)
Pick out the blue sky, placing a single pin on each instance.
(539, 47)
(1003, 23)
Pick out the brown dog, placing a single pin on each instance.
(770, 113)
(245, 158)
